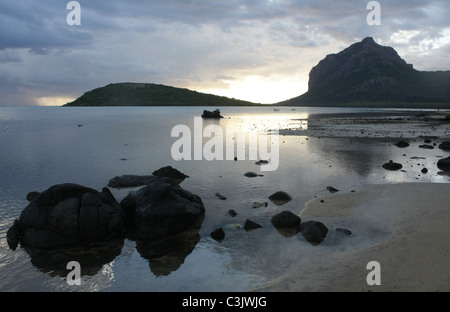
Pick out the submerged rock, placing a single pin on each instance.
(220, 196)
(218, 234)
(280, 198)
(332, 189)
(314, 231)
(259, 205)
(67, 214)
(250, 225)
(285, 219)
(402, 144)
(252, 174)
(128, 181)
(392, 166)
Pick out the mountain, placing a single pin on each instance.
(368, 74)
(148, 94)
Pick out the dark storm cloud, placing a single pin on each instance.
(198, 44)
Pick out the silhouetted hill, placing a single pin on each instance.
(368, 74)
(148, 94)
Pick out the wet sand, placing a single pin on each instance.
(413, 255)
(376, 125)
(413, 218)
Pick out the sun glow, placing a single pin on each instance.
(53, 101)
(263, 90)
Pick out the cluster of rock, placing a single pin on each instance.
(285, 222)
(443, 164)
(71, 214)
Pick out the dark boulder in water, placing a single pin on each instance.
(444, 164)
(161, 208)
(392, 166)
(214, 114)
(402, 144)
(445, 146)
(285, 219)
(126, 181)
(170, 172)
(67, 214)
(280, 198)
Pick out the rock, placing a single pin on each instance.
(402, 144)
(170, 172)
(424, 170)
(218, 234)
(233, 226)
(332, 189)
(232, 213)
(214, 114)
(220, 196)
(68, 214)
(426, 146)
(285, 219)
(250, 225)
(444, 164)
(126, 181)
(251, 174)
(32, 196)
(162, 208)
(445, 146)
(280, 198)
(313, 231)
(344, 231)
(13, 235)
(259, 205)
(392, 166)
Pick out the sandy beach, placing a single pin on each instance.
(405, 227)
(413, 254)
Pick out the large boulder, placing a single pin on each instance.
(445, 146)
(444, 164)
(67, 214)
(161, 208)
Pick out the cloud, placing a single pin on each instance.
(217, 45)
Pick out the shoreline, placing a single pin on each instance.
(413, 256)
(375, 125)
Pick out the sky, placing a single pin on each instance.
(255, 50)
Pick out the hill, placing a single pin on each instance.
(368, 74)
(148, 94)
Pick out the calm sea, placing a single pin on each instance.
(43, 146)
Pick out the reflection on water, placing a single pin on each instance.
(92, 257)
(168, 254)
(43, 147)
